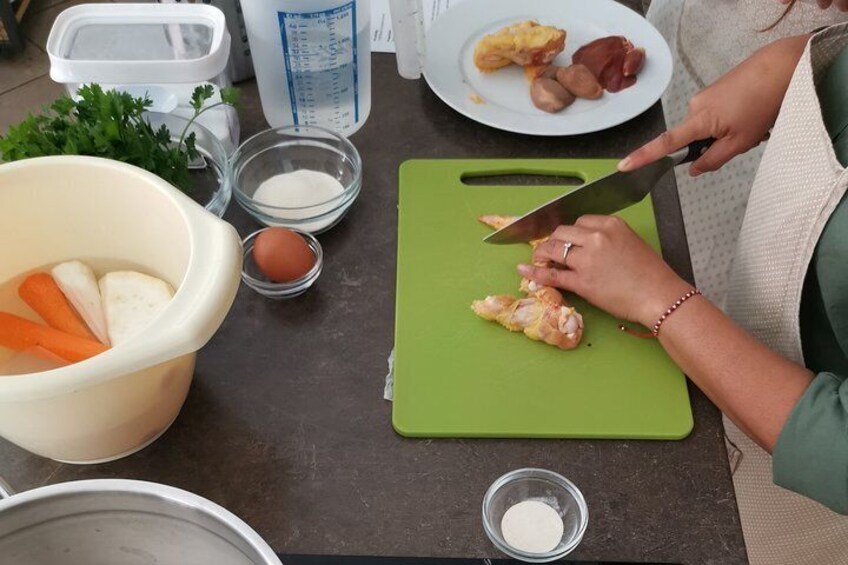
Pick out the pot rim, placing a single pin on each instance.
(156, 490)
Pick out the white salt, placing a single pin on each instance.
(532, 527)
(306, 193)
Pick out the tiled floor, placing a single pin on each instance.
(25, 85)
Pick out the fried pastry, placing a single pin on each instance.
(524, 44)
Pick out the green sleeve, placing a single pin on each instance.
(811, 454)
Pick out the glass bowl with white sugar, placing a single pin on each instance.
(535, 515)
(298, 177)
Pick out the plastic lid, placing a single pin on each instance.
(138, 43)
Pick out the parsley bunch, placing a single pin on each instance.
(111, 124)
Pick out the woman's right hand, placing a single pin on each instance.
(738, 110)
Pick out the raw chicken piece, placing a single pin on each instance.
(525, 43)
(545, 319)
(499, 222)
(613, 60)
(543, 315)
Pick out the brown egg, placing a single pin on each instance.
(282, 255)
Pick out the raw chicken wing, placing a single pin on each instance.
(543, 315)
(500, 222)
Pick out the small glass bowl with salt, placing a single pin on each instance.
(298, 177)
(535, 515)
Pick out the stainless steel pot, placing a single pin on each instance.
(123, 522)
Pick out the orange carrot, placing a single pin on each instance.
(42, 294)
(20, 334)
(45, 354)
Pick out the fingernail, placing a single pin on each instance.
(525, 270)
(693, 172)
(624, 164)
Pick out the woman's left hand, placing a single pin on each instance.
(611, 267)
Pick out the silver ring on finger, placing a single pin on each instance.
(565, 249)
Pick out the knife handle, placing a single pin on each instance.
(695, 150)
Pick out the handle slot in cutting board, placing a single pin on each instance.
(521, 177)
(459, 376)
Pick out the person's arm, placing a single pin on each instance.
(801, 418)
(738, 110)
(756, 387)
(811, 454)
(614, 269)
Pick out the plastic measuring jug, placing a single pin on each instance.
(312, 60)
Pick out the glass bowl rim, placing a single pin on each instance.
(241, 157)
(271, 286)
(194, 123)
(542, 474)
(219, 199)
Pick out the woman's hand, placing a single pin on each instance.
(738, 110)
(611, 267)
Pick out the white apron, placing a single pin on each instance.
(797, 188)
(707, 39)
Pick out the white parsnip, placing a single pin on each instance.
(131, 301)
(79, 285)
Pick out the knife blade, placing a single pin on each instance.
(605, 195)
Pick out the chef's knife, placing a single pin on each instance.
(606, 195)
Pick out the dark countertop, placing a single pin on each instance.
(285, 424)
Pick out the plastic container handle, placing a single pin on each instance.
(190, 322)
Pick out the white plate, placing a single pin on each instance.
(506, 104)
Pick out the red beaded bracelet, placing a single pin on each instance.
(655, 331)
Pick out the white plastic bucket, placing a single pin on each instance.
(54, 209)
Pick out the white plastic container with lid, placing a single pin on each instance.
(162, 50)
(312, 60)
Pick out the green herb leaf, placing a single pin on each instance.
(230, 96)
(111, 124)
(200, 95)
(99, 123)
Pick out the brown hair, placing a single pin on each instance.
(782, 16)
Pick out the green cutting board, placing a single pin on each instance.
(456, 375)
